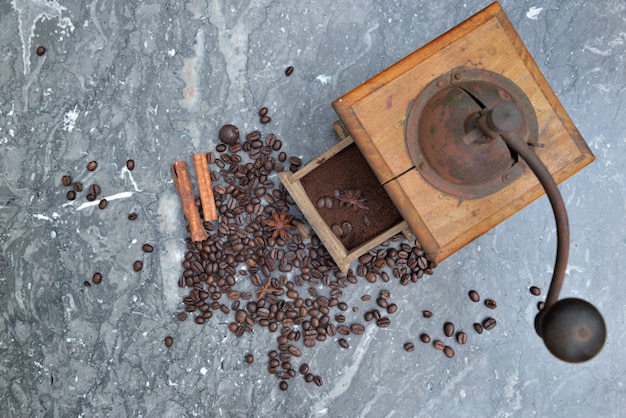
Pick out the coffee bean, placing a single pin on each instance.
(309, 377)
(425, 338)
(448, 351)
(200, 320)
(130, 165)
(102, 204)
(92, 165)
(94, 189)
(383, 322)
(427, 314)
(535, 290)
(474, 296)
(540, 306)
(78, 186)
(382, 302)
(439, 345)
(489, 324)
(220, 148)
(304, 368)
(357, 329)
(318, 380)
(461, 338)
(263, 111)
(137, 265)
(321, 203)
(71, 195)
(147, 248)
(182, 316)
(96, 278)
(86, 283)
(66, 180)
(336, 230)
(448, 329)
(168, 341)
(478, 328)
(249, 358)
(132, 216)
(343, 343)
(370, 276)
(265, 119)
(41, 50)
(408, 347)
(295, 161)
(392, 308)
(228, 134)
(347, 227)
(289, 70)
(491, 304)
(283, 385)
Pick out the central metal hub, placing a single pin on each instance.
(453, 147)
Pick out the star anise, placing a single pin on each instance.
(280, 225)
(353, 198)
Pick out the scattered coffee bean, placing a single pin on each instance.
(86, 283)
(318, 380)
(535, 290)
(489, 324)
(392, 308)
(102, 204)
(92, 165)
(71, 195)
(427, 314)
(91, 197)
(94, 189)
(130, 165)
(448, 329)
(283, 386)
(474, 296)
(357, 329)
(66, 180)
(229, 134)
(491, 304)
(147, 248)
(478, 328)
(343, 343)
(132, 216)
(77, 186)
(448, 351)
(461, 338)
(41, 50)
(265, 119)
(425, 338)
(439, 345)
(408, 347)
(383, 322)
(249, 358)
(540, 306)
(304, 368)
(289, 70)
(182, 316)
(137, 265)
(263, 111)
(96, 278)
(168, 341)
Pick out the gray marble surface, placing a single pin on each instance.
(153, 81)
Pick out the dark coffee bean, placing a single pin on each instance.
(66, 180)
(474, 296)
(294, 351)
(283, 385)
(540, 306)
(86, 283)
(220, 148)
(71, 195)
(94, 189)
(295, 161)
(78, 186)
(263, 111)
(357, 329)
(343, 343)
(41, 50)
(249, 358)
(383, 322)
(461, 338)
(448, 351)
(265, 119)
(425, 338)
(229, 134)
(535, 290)
(200, 320)
(318, 380)
(130, 165)
(336, 230)
(168, 341)
(96, 278)
(304, 368)
(491, 304)
(282, 157)
(181, 316)
(147, 248)
(370, 276)
(408, 347)
(308, 377)
(132, 216)
(91, 197)
(489, 324)
(382, 302)
(478, 328)
(92, 165)
(289, 70)
(392, 308)
(137, 265)
(427, 314)
(439, 345)
(102, 204)
(448, 329)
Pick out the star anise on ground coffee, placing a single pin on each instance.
(352, 198)
(280, 225)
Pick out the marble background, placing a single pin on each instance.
(153, 81)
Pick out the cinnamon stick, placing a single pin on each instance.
(203, 175)
(183, 184)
